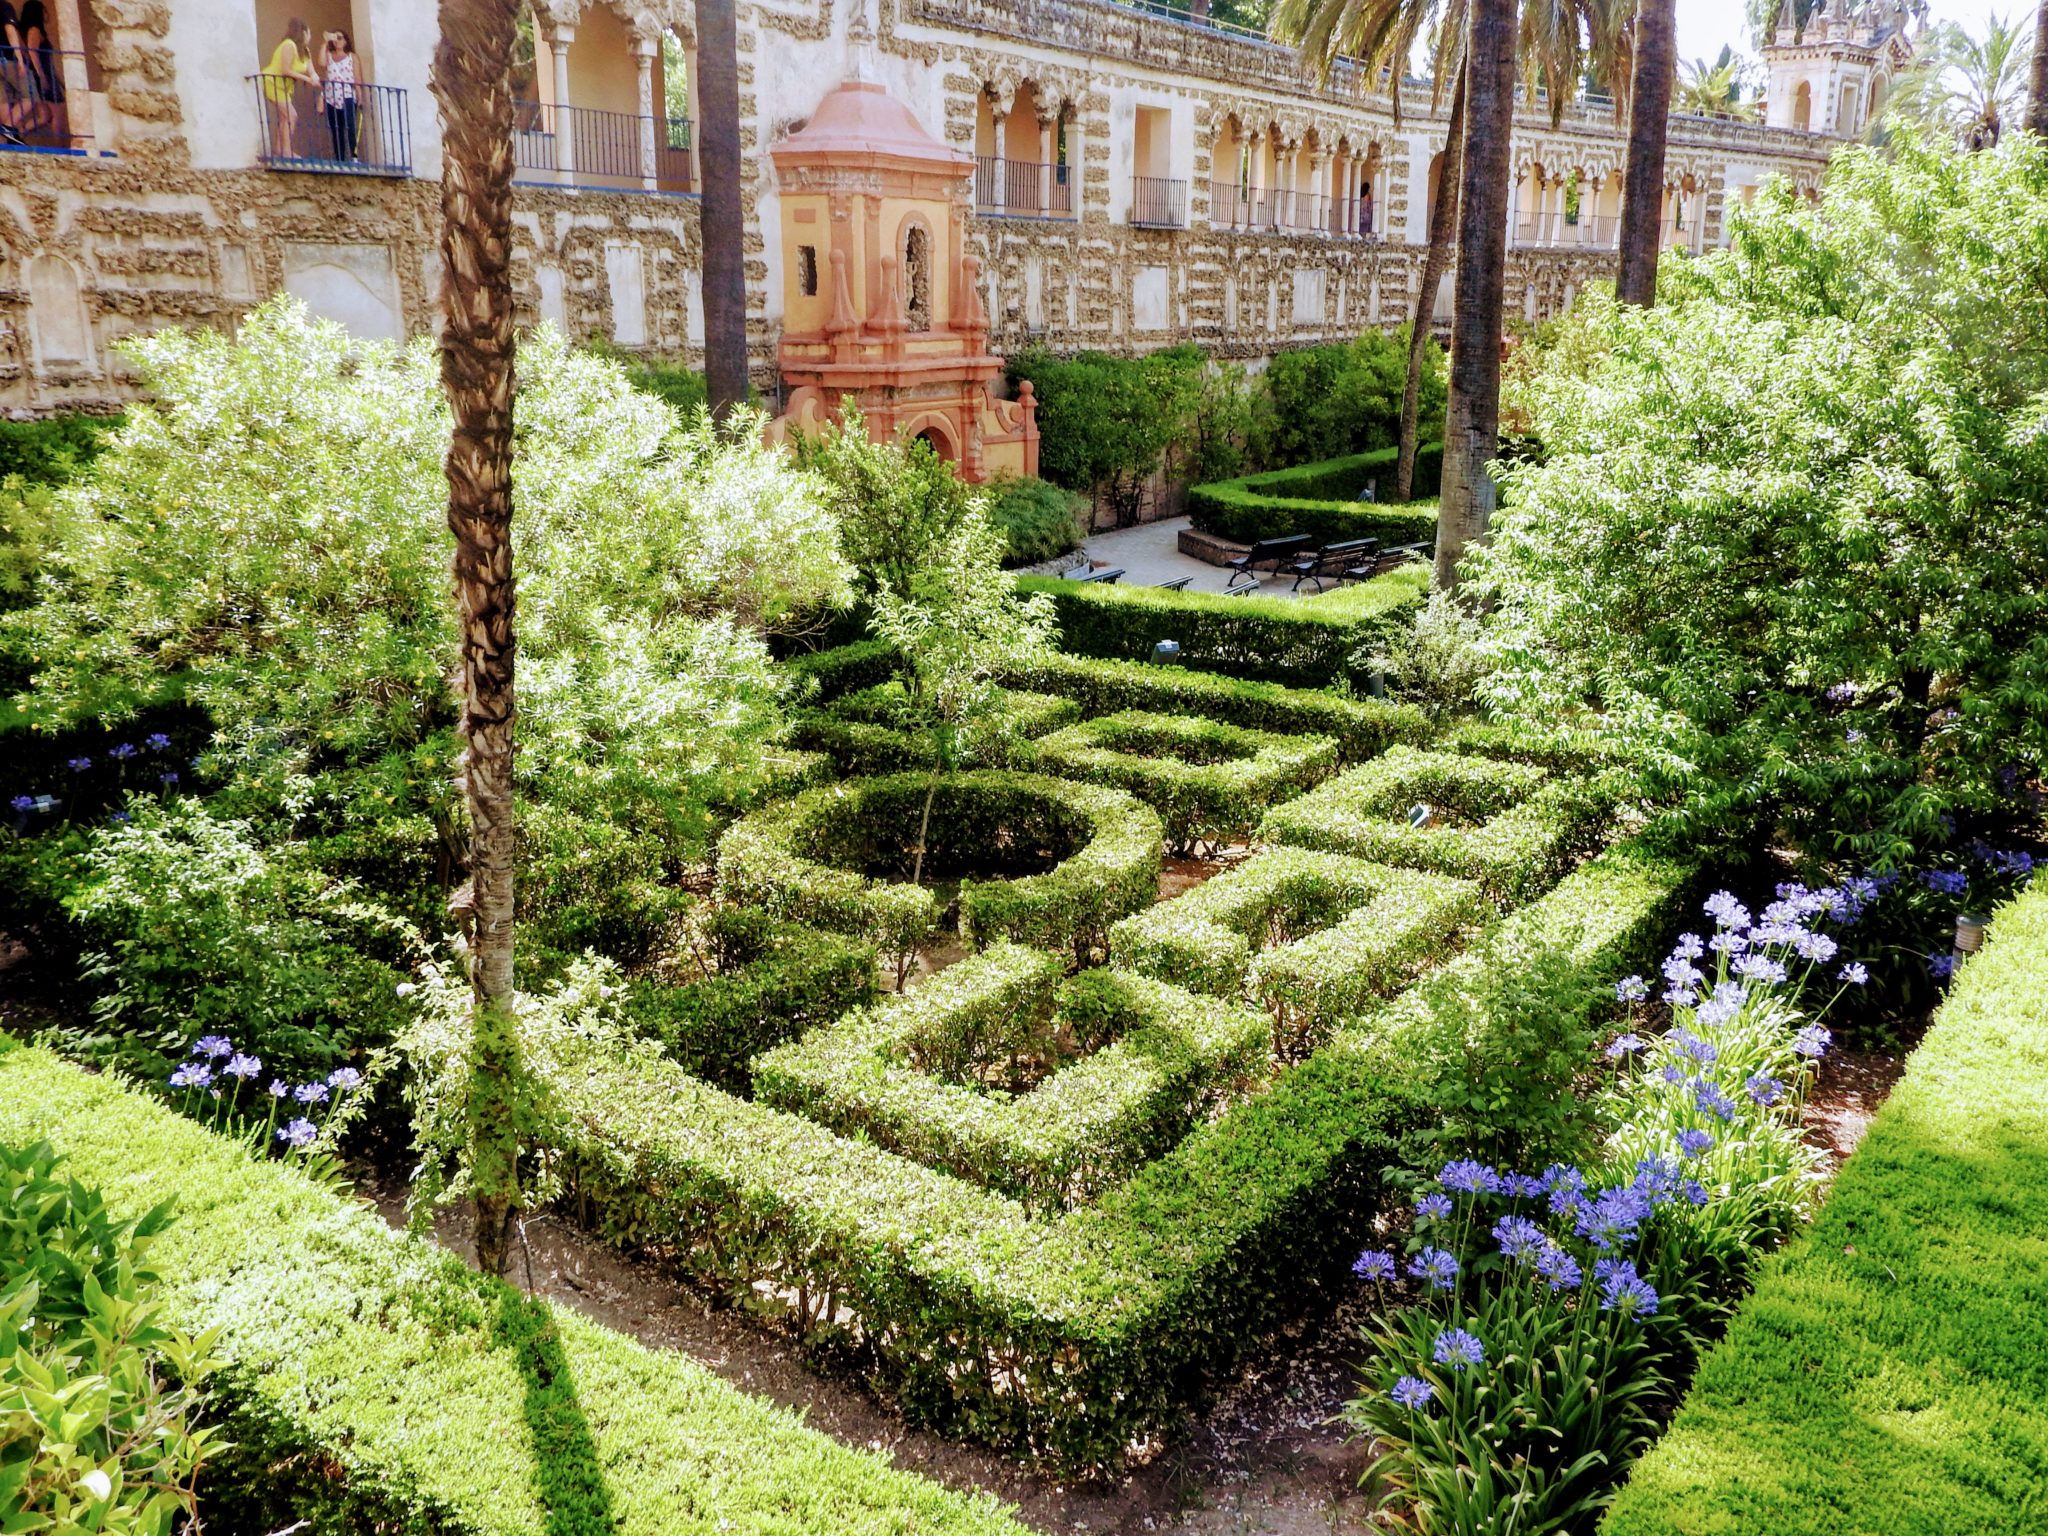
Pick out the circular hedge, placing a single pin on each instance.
(1039, 861)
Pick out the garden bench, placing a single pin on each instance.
(1331, 561)
(1265, 552)
(1178, 584)
(1110, 575)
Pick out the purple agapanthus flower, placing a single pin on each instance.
(1469, 1177)
(1521, 1186)
(1725, 910)
(243, 1065)
(344, 1078)
(193, 1074)
(1945, 882)
(170, 781)
(1854, 973)
(310, 1093)
(1411, 1392)
(1559, 1269)
(78, 764)
(1841, 693)
(1631, 989)
(1693, 1143)
(1813, 1041)
(298, 1134)
(1764, 1089)
(1621, 1045)
(1694, 1191)
(23, 803)
(1375, 1265)
(123, 752)
(1434, 1267)
(1759, 968)
(1941, 966)
(157, 741)
(213, 1045)
(1623, 1290)
(1712, 1101)
(1434, 1207)
(1518, 1236)
(1458, 1349)
(279, 1088)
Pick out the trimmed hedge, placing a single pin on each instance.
(1207, 780)
(1363, 728)
(376, 1383)
(1304, 642)
(913, 1074)
(822, 676)
(830, 856)
(1889, 1375)
(1562, 749)
(1320, 500)
(1312, 937)
(775, 981)
(1071, 1335)
(1510, 826)
(862, 735)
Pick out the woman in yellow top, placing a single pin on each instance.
(290, 63)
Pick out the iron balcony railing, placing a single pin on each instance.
(1554, 229)
(348, 128)
(44, 103)
(1158, 202)
(605, 151)
(1022, 188)
(1235, 206)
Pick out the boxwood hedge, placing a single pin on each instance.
(839, 857)
(1208, 781)
(866, 732)
(374, 1383)
(1363, 728)
(1070, 1335)
(915, 1073)
(1320, 500)
(1307, 641)
(1508, 825)
(1889, 1375)
(1313, 937)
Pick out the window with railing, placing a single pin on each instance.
(43, 105)
(346, 127)
(1022, 188)
(605, 151)
(1158, 202)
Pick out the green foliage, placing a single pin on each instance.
(99, 1396)
(677, 385)
(1342, 397)
(195, 927)
(1039, 520)
(54, 449)
(1311, 937)
(34, 520)
(822, 676)
(1786, 530)
(1040, 861)
(1320, 500)
(1207, 780)
(1362, 727)
(1308, 642)
(1507, 825)
(1910, 1302)
(899, 504)
(1107, 423)
(876, 730)
(773, 981)
(914, 1073)
(343, 1339)
(1436, 662)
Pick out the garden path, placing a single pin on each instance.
(1150, 554)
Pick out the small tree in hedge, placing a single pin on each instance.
(899, 504)
(1105, 423)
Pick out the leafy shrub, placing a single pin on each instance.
(774, 982)
(1362, 727)
(342, 1338)
(1435, 662)
(1506, 825)
(54, 449)
(1207, 780)
(1306, 642)
(1106, 423)
(99, 1398)
(822, 676)
(1342, 397)
(1038, 519)
(1785, 530)
(197, 929)
(1910, 1300)
(899, 504)
(912, 1074)
(1038, 860)
(1320, 500)
(677, 385)
(1311, 937)
(875, 731)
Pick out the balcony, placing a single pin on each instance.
(600, 151)
(351, 130)
(1157, 203)
(37, 96)
(1022, 189)
(1553, 231)
(1264, 210)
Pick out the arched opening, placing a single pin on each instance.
(917, 276)
(1802, 107)
(1849, 119)
(1021, 156)
(1879, 89)
(599, 105)
(934, 432)
(1436, 187)
(1229, 175)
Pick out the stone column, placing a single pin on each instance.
(1319, 181)
(644, 49)
(565, 117)
(1256, 197)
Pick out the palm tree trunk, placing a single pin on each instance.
(2037, 85)
(1649, 120)
(473, 83)
(721, 221)
(1472, 421)
(1443, 223)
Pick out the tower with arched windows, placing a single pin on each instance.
(1831, 73)
(881, 299)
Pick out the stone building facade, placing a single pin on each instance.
(1139, 179)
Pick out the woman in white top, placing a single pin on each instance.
(338, 95)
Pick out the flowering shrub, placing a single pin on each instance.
(229, 1090)
(1558, 1309)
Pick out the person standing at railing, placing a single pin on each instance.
(45, 81)
(338, 97)
(14, 98)
(1365, 209)
(289, 66)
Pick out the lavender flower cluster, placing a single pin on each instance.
(216, 1073)
(156, 743)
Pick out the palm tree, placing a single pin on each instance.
(1472, 421)
(1712, 90)
(2037, 87)
(473, 82)
(1649, 117)
(1964, 86)
(720, 218)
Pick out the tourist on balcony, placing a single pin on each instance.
(39, 56)
(1365, 209)
(289, 67)
(338, 97)
(14, 98)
